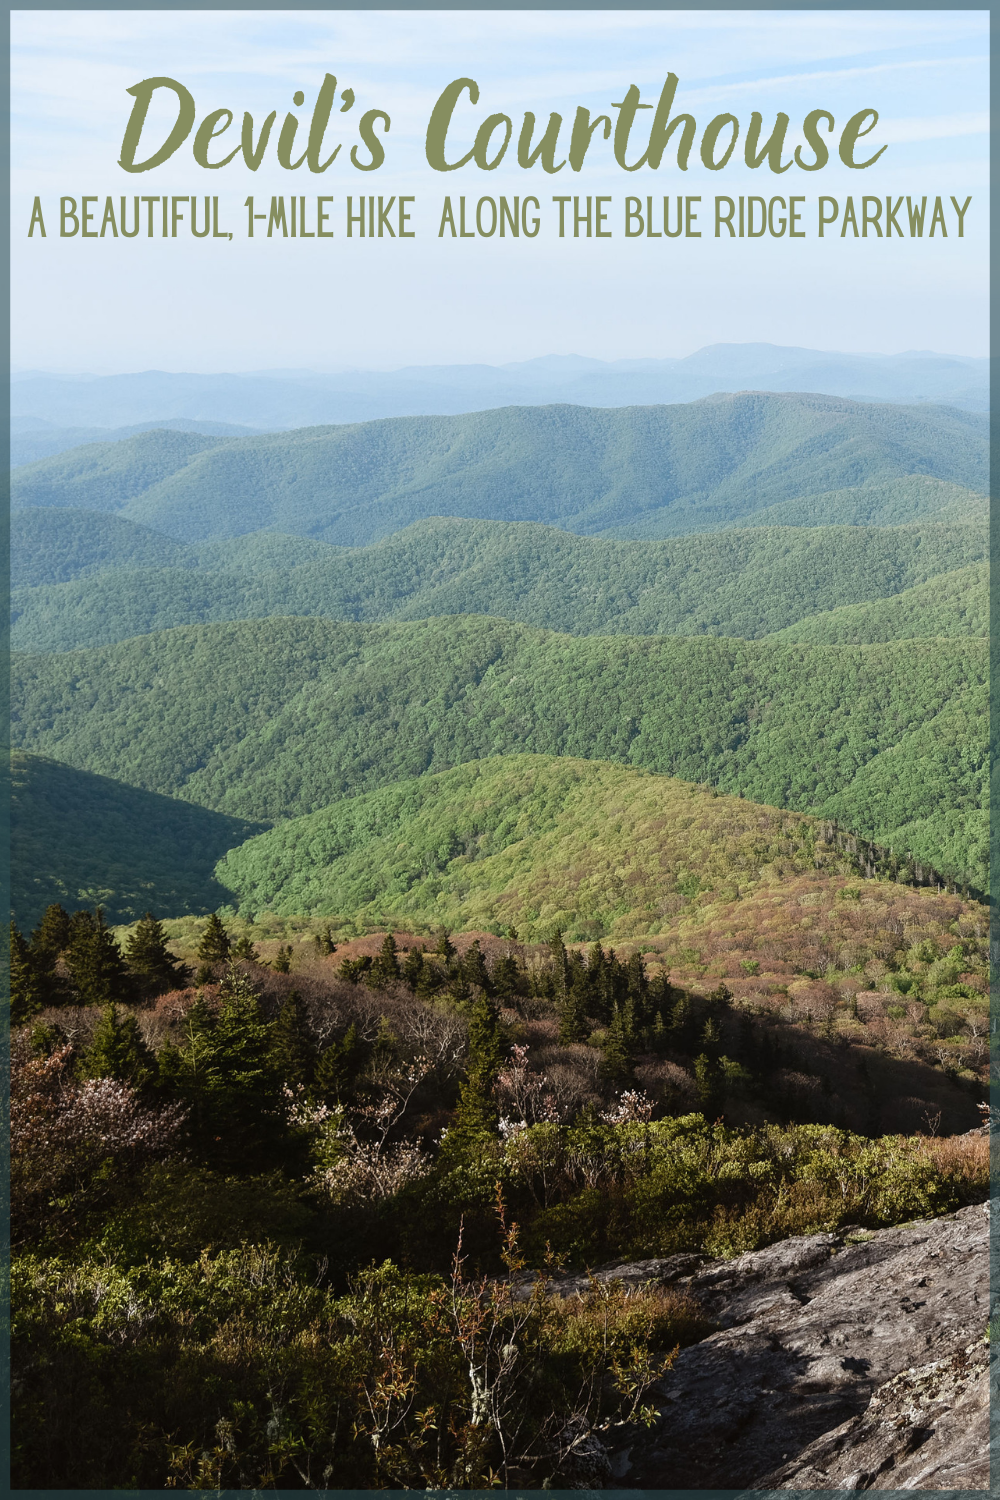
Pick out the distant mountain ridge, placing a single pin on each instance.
(301, 399)
(633, 471)
(737, 583)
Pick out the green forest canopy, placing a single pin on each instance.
(666, 469)
(271, 719)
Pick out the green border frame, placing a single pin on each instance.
(994, 728)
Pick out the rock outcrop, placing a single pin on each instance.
(841, 1362)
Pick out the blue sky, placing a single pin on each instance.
(187, 304)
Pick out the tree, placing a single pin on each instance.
(293, 1052)
(617, 1061)
(26, 989)
(154, 967)
(559, 961)
(412, 968)
(445, 947)
(244, 948)
(385, 970)
(47, 942)
(477, 1109)
(51, 935)
(215, 945)
(282, 961)
(339, 1064)
(474, 967)
(95, 961)
(573, 1025)
(118, 1050)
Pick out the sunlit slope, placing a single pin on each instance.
(674, 469)
(271, 719)
(738, 583)
(531, 841)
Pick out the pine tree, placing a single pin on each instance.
(215, 945)
(244, 948)
(385, 970)
(505, 979)
(324, 941)
(709, 1078)
(153, 966)
(617, 1063)
(118, 1050)
(338, 1065)
(412, 969)
(445, 947)
(51, 935)
(95, 962)
(26, 989)
(477, 1111)
(474, 967)
(281, 963)
(293, 1053)
(573, 1025)
(559, 962)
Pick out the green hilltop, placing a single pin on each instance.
(272, 719)
(668, 469)
(530, 841)
(82, 840)
(735, 583)
(891, 502)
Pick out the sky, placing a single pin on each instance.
(109, 305)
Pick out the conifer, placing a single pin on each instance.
(445, 947)
(474, 967)
(95, 961)
(118, 1050)
(338, 1065)
(617, 1063)
(215, 945)
(477, 1110)
(26, 988)
(152, 964)
(385, 970)
(293, 1053)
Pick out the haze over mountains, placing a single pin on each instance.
(779, 594)
(282, 399)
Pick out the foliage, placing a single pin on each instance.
(887, 738)
(77, 837)
(734, 583)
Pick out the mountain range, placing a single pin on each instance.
(282, 399)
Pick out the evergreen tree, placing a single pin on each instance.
(281, 963)
(153, 966)
(51, 936)
(412, 969)
(339, 1065)
(477, 1111)
(617, 1063)
(118, 1050)
(506, 976)
(710, 1078)
(215, 945)
(26, 989)
(293, 1052)
(474, 967)
(324, 941)
(573, 1025)
(445, 947)
(385, 970)
(95, 962)
(559, 962)
(244, 948)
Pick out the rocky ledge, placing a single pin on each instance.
(852, 1361)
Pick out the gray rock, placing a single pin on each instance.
(812, 1329)
(633, 1274)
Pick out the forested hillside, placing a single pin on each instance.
(81, 839)
(270, 719)
(730, 583)
(668, 469)
(950, 604)
(533, 842)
